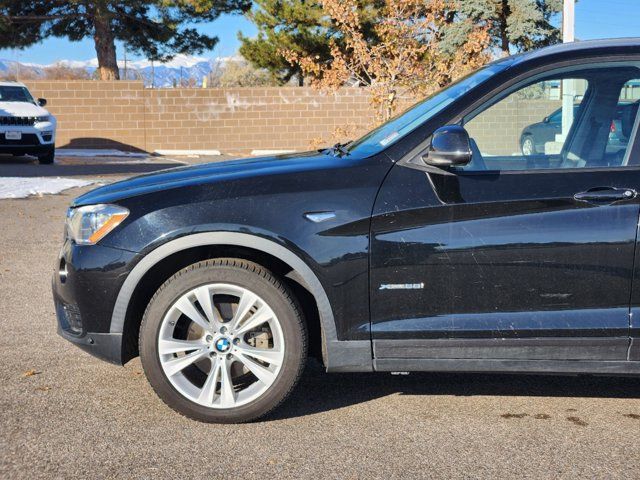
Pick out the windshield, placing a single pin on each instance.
(396, 128)
(11, 93)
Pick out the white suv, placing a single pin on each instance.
(25, 127)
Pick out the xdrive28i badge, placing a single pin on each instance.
(401, 286)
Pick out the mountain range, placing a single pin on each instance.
(188, 68)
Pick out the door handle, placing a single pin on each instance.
(606, 194)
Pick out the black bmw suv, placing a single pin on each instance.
(430, 244)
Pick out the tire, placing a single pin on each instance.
(527, 147)
(47, 157)
(197, 389)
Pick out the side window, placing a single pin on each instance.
(623, 122)
(556, 117)
(579, 120)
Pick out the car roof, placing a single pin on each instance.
(580, 48)
(12, 84)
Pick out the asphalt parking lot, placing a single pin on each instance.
(64, 414)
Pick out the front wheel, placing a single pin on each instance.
(48, 156)
(223, 341)
(527, 146)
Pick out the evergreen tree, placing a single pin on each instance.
(296, 26)
(153, 28)
(514, 24)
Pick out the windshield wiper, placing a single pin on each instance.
(339, 149)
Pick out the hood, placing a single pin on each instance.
(210, 173)
(21, 109)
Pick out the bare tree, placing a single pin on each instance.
(408, 58)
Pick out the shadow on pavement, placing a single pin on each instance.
(86, 167)
(320, 392)
(100, 143)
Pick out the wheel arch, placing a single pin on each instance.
(525, 134)
(337, 355)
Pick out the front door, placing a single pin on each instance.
(514, 255)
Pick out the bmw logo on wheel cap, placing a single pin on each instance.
(223, 344)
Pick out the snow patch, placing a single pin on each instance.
(93, 63)
(162, 74)
(22, 187)
(180, 60)
(188, 153)
(261, 153)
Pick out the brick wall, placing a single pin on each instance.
(95, 114)
(497, 130)
(125, 115)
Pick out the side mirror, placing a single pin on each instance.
(450, 147)
(545, 120)
(42, 102)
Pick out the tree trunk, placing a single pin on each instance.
(504, 38)
(388, 105)
(105, 44)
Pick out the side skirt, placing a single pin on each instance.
(536, 348)
(567, 367)
(605, 355)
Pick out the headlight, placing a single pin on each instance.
(45, 118)
(88, 225)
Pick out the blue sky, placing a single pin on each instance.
(594, 19)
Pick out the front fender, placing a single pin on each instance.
(339, 355)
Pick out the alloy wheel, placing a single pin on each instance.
(527, 146)
(221, 345)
